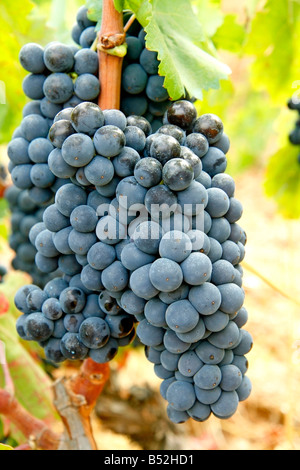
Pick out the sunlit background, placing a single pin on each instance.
(264, 60)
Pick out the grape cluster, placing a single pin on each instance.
(25, 215)
(294, 136)
(146, 231)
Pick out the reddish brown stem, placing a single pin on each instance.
(33, 429)
(110, 70)
(76, 398)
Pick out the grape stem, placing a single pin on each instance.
(75, 399)
(110, 70)
(129, 23)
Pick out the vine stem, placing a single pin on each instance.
(110, 67)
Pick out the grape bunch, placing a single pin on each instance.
(24, 215)
(146, 231)
(61, 77)
(294, 136)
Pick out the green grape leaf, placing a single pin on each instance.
(210, 15)
(230, 36)
(183, 49)
(119, 5)
(274, 43)
(141, 8)
(5, 447)
(282, 181)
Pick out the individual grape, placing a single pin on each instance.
(175, 246)
(189, 364)
(232, 298)
(210, 126)
(44, 244)
(216, 322)
(69, 265)
(224, 182)
(91, 278)
(33, 86)
(109, 141)
(58, 88)
(222, 273)
(132, 304)
(134, 104)
(223, 144)
(109, 190)
(242, 318)
(231, 378)
(147, 237)
(32, 107)
(108, 304)
(141, 122)
(60, 131)
(177, 417)
(135, 138)
(182, 113)
(46, 265)
(86, 61)
(92, 308)
(231, 252)
(94, 333)
(178, 174)
(68, 197)
(166, 275)
(125, 162)
(133, 258)
(164, 148)
(152, 354)
(120, 326)
(72, 300)
(195, 335)
(218, 202)
(198, 143)
(179, 294)
(164, 387)
(31, 57)
(160, 202)
(54, 220)
(155, 90)
(181, 395)
(72, 348)
(134, 79)
(149, 335)
(87, 118)
(78, 150)
(41, 176)
(206, 298)
(226, 406)
(245, 389)
(58, 166)
(39, 150)
(245, 344)
(193, 199)
(220, 230)
(182, 317)
(87, 87)
(51, 309)
(173, 344)
(191, 158)
(61, 241)
(149, 61)
(100, 256)
(199, 412)
(106, 353)
(235, 211)
(140, 283)
(209, 354)
(214, 162)
(18, 151)
(53, 352)
(173, 131)
(161, 372)
(115, 277)
(80, 243)
(58, 57)
(110, 231)
(204, 179)
(84, 219)
(59, 329)
(34, 126)
(38, 327)
(208, 377)
(226, 338)
(35, 300)
(197, 269)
